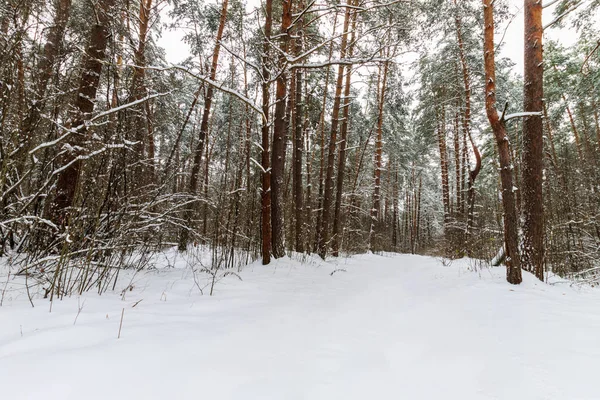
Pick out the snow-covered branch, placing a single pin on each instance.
(94, 118)
(348, 61)
(551, 2)
(564, 14)
(522, 115)
(213, 83)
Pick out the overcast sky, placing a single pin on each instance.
(177, 51)
(513, 42)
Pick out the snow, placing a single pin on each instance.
(388, 327)
(523, 115)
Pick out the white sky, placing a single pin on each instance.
(513, 41)
(176, 50)
(171, 40)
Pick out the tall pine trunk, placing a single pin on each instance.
(511, 240)
(457, 165)
(265, 159)
(141, 123)
(533, 142)
(467, 129)
(337, 218)
(378, 158)
(279, 140)
(298, 147)
(322, 143)
(335, 120)
(194, 175)
(441, 133)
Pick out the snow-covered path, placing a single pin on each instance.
(397, 327)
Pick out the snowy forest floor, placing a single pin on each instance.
(384, 327)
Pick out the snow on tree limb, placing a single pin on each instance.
(213, 83)
(94, 118)
(522, 115)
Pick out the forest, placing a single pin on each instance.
(299, 199)
(330, 127)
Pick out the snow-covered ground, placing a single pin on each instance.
(394, 327)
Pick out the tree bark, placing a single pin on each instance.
(46, 66)
(329, 181)
(457, 163)
(533, 142)
(93, 59)
(322, 141)
(395, 195)
(467, 129)
(337, 219)
(596, 123)
(576, 135)
(52, 46)
(279, 140)
(265, 159)
(511, 241)
(441, 133)
(298, 146)
(378, 158)
(142, 127)
(308, 210)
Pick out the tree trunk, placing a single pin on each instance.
(576, 136)
(513, 267)
(308, 214)
(533, 142)
(441, 133)
(298, 147)
(337, 219)
(149, 113)
(93, 59)
(329, 181)
(456, 140)
(266, 170)
(141, 126)
(52, 46)
(596, 123)
(463, 173)
(378, 159)
(45, 68)
(553, 156)
(467, 129)
(193, 183)
(279, 140)
(417, 219)
(395, 195)
(322, 138)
